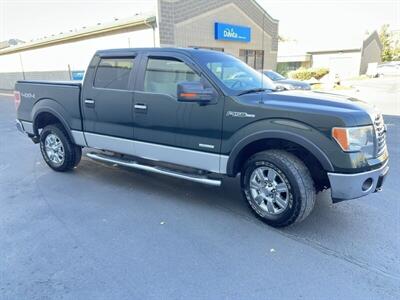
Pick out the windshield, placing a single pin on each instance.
(273, 75)
(235, 75)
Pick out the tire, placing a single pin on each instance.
(57, 149)
(287, 198)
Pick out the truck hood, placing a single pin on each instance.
(352, 111)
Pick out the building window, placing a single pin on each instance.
(113, 73)
(208, 48)
(254, 58)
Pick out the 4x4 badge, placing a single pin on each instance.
(239, 114)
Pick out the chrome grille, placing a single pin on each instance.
(380, 133)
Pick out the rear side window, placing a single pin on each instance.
(163, 75)
(113, 73)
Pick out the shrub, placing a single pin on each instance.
(306, 74)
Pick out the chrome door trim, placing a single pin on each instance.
(212, 162)
(140, 106)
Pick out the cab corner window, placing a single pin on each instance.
(113, 73)
(163, 75)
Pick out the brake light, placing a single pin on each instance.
(17, 99)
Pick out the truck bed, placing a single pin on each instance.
(61, 97)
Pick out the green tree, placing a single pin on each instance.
(391, 48)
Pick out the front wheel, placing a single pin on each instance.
(57, 149)
(278, 187)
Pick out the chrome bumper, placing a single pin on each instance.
(351, 186)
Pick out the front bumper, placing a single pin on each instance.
(351, 186)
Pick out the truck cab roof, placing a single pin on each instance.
(124, 51)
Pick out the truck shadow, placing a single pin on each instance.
(227, 198)
(326, 218)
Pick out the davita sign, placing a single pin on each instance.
(229, 32)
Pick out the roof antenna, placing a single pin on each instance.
(262, 61)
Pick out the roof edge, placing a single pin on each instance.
(334, 51)
(265, 12)
(149, 19)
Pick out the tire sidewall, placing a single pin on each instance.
(293, 208)
(51, 129)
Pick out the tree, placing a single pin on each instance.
(391, 47)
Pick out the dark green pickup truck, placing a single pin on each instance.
(201, 115)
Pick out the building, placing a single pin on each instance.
(346, 61)
(9, 43)
(241, 28)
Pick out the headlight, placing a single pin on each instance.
(355, 139)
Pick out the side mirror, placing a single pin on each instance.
(194, 92)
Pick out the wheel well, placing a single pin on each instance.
(318, 173)
(44, 119)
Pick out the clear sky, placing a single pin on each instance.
(308, 21)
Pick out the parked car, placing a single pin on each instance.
(288, 84)
(388, 69)
(182, 113)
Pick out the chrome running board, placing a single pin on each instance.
(158, 170)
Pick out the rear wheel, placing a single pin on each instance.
(57, 149)
(278, 187)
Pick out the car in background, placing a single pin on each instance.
(388, 69)
(285, 83)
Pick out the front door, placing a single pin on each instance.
(177, 132)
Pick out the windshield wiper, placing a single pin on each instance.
(250, 91)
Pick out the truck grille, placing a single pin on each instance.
(380, 132)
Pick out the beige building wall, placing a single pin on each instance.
(343, 64)
(53, 62)
(199, 31)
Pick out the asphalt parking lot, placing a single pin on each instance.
(106, 232)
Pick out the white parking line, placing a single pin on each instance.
(7, 95)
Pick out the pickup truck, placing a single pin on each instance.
(184, 113)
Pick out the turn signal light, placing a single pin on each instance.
(188, 95)
(341, 136)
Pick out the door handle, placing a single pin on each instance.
(140, 106)
(89, 102)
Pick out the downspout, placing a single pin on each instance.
(22, 66)
(153, 26)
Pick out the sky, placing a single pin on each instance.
(307, 21)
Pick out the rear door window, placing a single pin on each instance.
(114, 73)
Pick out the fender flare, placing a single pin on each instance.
(281, 135)
(43, 107)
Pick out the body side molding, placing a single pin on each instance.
(186, 157)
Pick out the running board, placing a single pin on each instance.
(136, 165)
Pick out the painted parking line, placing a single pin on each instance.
(7, 95)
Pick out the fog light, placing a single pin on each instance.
(367, 184)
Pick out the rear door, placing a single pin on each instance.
(108, 100)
